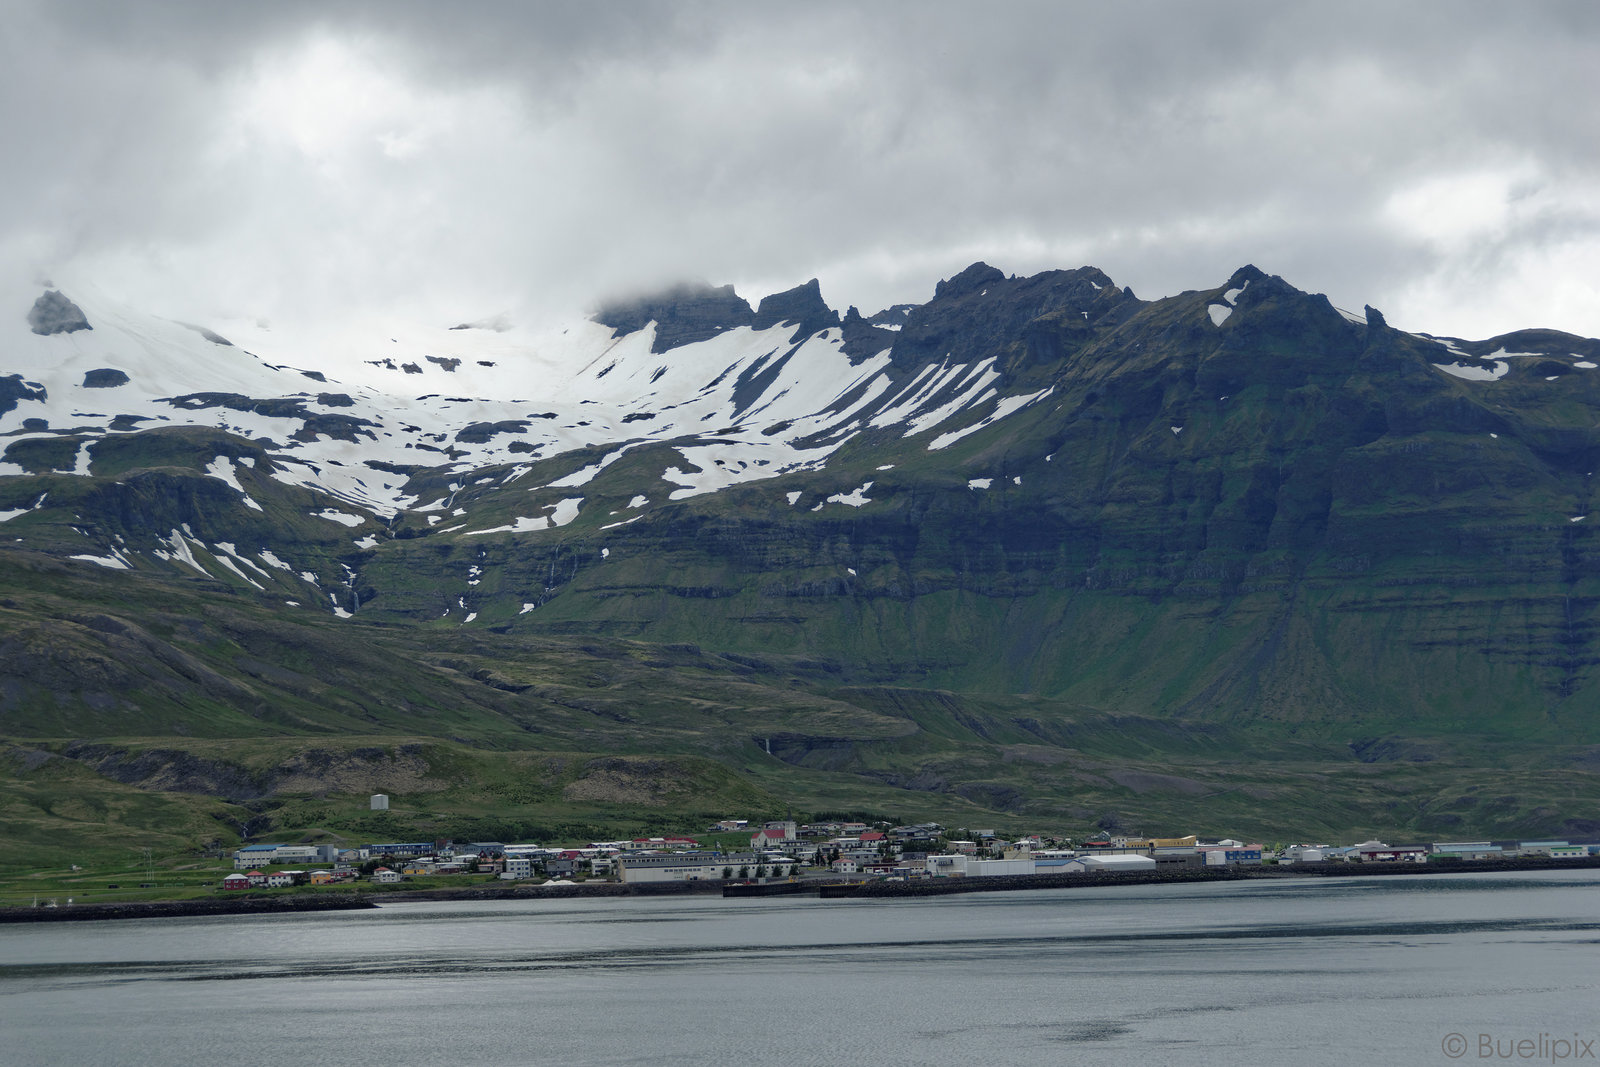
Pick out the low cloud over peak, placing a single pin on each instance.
(300, 160)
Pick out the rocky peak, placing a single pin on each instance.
(971, 280)
(1246, 275)
(802, 307)
(54, 313)
(893, 315)
(863, 339)
(683, 314)
(1027, 321)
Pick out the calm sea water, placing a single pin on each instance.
(1384, 969)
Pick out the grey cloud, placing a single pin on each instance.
(579, 149)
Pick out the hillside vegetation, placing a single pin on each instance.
(1228, 562)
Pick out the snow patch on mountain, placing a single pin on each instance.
(227, 561)
(115, 562)
(1475, 374)
(974, 389)
(222, 468)
(333, 410)
(587, 474)
(855, 498)
(7, 516)
(561, 513)
(335, 515)
(179, 550)
(1006, 406)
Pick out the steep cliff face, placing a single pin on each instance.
(1239, 503)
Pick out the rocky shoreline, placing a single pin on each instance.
(170, 909)
(277, 903)
(941, 886)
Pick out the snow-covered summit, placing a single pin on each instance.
(776, 393)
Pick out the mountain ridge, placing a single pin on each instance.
(1238, 516)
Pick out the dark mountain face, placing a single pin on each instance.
(801, 307)
(1246, 467)
(683, 315)
(1066, 535)
(1025, 323)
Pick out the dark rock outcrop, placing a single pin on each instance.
(972, 280)
(683, 315)
(1043, 319)
(339, 427)
(863, 339)
(54, 313)
(13, 389)
(480, 432)
(893, 315)
(801, 307)
(104, 378)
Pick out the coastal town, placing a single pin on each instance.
(784, 851)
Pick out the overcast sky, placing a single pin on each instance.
(1437, 160)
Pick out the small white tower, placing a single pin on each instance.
(380, 802)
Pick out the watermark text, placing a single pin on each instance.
(1534, 1048)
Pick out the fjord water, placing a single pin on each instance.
(1307, 971)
